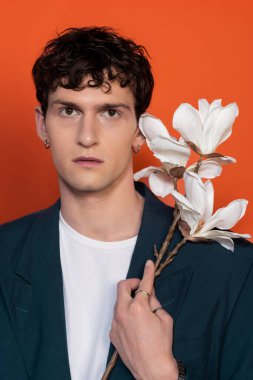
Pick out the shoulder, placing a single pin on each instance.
(216, 261)
(218, 274)
(17, 228)
(13, 236)
(155, 210)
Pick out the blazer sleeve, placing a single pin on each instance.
(237, 351)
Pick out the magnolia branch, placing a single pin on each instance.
(159, 255)
(110, 365)
(174, 155)
(171, 256)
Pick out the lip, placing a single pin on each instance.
(88, 161)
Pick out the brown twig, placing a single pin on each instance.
(167, 240)
(159, 255)
(110, 365)
(199, 163)
(171, 256)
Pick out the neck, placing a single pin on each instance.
(112, 214)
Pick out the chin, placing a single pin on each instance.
(90, 185)
(82, 189)
(88, 188)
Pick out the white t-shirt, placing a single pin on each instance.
(91, 270)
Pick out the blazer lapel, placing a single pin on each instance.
(172, 285)
(34, 298)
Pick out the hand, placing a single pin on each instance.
(142, 338)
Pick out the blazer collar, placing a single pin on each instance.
(41, 244)
(34, 298)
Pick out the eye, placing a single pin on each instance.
(111, 113)
(68, 111)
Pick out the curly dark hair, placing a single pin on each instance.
(99, 52)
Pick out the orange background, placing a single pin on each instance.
(198, 48)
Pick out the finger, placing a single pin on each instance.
(157, 309)
(125, 288)
(147, 281)
(153, 301)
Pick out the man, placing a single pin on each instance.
(60, 267)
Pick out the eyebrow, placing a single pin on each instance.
(100, 107)
(113, 105)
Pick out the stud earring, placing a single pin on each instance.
(136, 148)
(46, 144)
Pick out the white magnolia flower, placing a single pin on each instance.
(212, 167)
(173, 154)
(162, 180)
(196, 209)
(207, 127)
(165, 147)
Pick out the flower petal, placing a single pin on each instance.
(152, 127)
(209, 130)
(225, 160)
(226, 120)
(161, 183)
(186, 121)
(208, 169)
(223, 237)
(187, 212)
(215, 104)
(231, 234)
(146, 172)
(170, 150)
(203, 109)
(226, 242)
(195, 191)
(226, 217)
(209, 201)
(218, 127)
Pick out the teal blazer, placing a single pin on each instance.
(208, 292)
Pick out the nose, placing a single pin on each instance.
(88, 131)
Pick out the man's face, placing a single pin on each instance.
(91, 135)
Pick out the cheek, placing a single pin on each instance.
(122, 160)
(121, 151)
(60, 141)
(60, 152)
(120, 141)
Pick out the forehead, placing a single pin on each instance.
(92, 96)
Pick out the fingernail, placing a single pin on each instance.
(148, 263)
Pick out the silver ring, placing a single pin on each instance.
(142, 291)
(158, 308)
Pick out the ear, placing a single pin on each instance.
(139, 138)
(40, 124)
